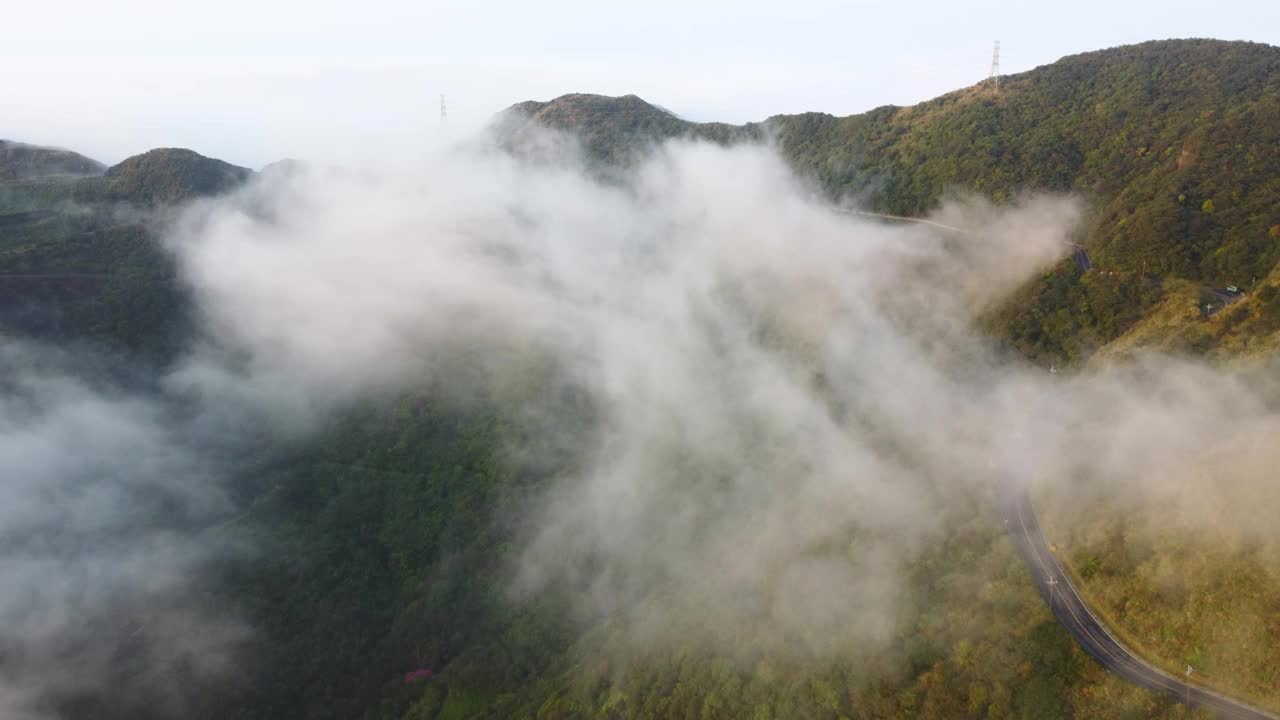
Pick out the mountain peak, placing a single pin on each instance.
(174, 174)
(576, 111)
(610, 128)
(20, 161)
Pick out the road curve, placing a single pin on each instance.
(1065, 602)
(1070, 610)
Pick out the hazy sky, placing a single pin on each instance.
(253, 81)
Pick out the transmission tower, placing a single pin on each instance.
(444, 114)
(995, 68)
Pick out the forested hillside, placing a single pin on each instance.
(19, 161)
(384, 541)
(81, 261)
(1173, 145)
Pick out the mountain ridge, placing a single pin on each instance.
(23, 161)
(1172, 144)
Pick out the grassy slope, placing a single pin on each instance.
(1179, 598)
(1186, 596)
(1247, 329)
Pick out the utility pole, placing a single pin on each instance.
(995, 69)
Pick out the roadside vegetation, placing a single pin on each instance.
(1178, 596)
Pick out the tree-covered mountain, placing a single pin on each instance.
(170, 175)
(19, 161)
(613, 130)
(80, 257)
(1174, 145)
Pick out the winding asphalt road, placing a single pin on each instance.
(1056, 588)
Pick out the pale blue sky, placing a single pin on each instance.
(252, 81)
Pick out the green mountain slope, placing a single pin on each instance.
(80, 259)
(1173, 144)
(169, 175)
(19, 161)
(612, 130)
(388, 540)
